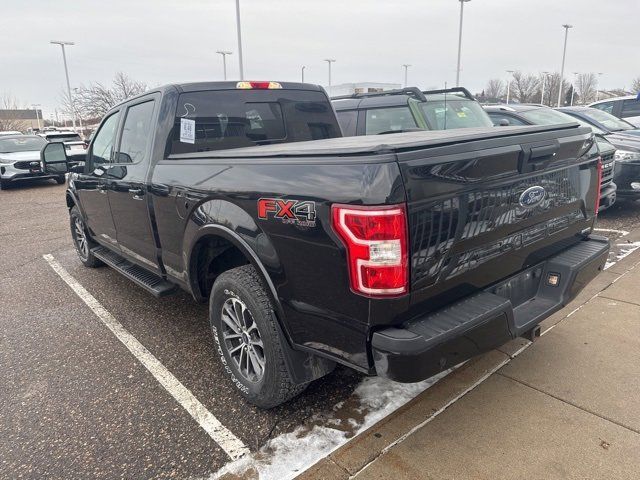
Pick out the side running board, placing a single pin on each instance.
(151, 282)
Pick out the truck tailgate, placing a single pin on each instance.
(481, 210)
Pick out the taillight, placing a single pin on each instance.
(376, 241)
(599, 168)
(258, 85)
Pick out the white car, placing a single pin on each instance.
(20, 159)
(627, 108)
(9, 132)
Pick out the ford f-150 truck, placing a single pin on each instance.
(399, 255)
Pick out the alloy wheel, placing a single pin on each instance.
(242, 339)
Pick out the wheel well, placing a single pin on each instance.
(212, 256)
(70, 202)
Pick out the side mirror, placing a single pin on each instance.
(503, 122)
(54, 158)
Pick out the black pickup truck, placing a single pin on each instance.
(399, 255)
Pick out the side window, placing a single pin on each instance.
(348, 120)
(136, 133)
(382, 120)
(630, 108)
(605, 107)
(102, 148)
(513, 121)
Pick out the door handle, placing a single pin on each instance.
(137, 193)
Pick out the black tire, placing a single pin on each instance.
(76, 222)
(4, 185)
(61, 180)
(275, 386)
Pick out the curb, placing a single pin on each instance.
(355, 455)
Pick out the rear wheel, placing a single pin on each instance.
(248, 340)
(81, 239)
(61, 179)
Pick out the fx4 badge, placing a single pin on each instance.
(297, 212)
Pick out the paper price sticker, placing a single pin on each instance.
(187, 130)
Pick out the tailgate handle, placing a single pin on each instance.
(545, 152)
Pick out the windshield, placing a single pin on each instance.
(455, 113)
(587, 124)
(609, 121)
(547, 116)
(24, 144)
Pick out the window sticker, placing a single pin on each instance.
(187, 130)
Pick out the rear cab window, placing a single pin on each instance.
(224, 119)
(605, 106)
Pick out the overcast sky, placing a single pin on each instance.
(163, 41)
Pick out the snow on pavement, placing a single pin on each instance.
(287, 455)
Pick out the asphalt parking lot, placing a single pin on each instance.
(81, 405)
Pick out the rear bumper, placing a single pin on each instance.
(425, 346)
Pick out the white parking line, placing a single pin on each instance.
(231, 444)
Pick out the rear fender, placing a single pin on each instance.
(226, 220)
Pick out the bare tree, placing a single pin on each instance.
(524, 86)
(9, 122)
(635, 85)
(551, 89)
(586, 86)
(97, 99)
(495, 90)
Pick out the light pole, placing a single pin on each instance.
(462, 2)
(302, 72)
(406, 67)
(224, 54)
(239, 39)
(510, 72)
(35, 107)
(329, 62)
(573, 87)
(66, 72)
(598, 89)
(566, 27)
(544, 78)
(75, 90)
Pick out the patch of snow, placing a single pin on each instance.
(626, 249)
(287, 455)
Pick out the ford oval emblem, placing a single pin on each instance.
(532, 197)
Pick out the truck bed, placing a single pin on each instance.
(378, 144)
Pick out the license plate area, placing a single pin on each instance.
(521, 287)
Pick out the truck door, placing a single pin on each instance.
(91, 186)
(127, 185)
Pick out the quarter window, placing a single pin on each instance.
(348, 119)
(136, 133)
(384, 120)
(102, 148)
(630, 108)
(605, 107)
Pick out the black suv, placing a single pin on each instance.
(625, 139)
(533, 114)
(408, 109)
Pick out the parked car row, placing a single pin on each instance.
(612, 134)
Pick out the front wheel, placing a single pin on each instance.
(248, 340)
(61, 179)
(81, 239)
